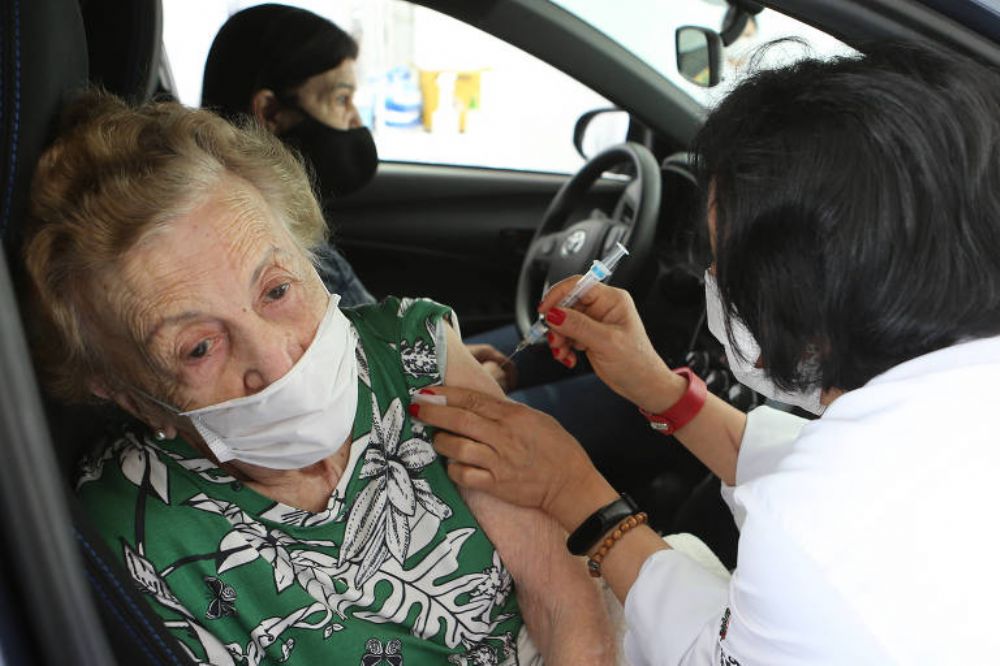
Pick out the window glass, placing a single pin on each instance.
(432, 89)
(648, 29)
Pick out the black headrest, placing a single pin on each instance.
(43, 61)
(124, 41)
(43, 64)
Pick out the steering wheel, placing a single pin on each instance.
(558, 251)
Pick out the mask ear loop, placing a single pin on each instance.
(159, 434)
(215, 444)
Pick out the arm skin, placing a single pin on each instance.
(561, 604)
(525, 457)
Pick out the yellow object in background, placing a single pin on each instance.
(466, 96)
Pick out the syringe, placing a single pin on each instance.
(599, 271)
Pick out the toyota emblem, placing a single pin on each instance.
(573, 243)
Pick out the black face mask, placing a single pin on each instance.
(344, 160)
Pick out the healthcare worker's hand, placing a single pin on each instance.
(606, 326)
(496, 364)
(514, 452)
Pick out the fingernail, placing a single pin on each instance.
(555, 316)
(555, 352)
(569, 361)
(429, 398)
(426, 391)
(551, 338)
(414, 410)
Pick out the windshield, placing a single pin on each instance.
(648, 28)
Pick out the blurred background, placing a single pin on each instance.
(437, 91)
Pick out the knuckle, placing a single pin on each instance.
(475, 402)
(458, 473)
(464, 422)
(464, 449)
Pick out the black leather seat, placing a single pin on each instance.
(124, 46)
(50, 552)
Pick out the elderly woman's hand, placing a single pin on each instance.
(607, 327)
(496, 364)
(513, 452)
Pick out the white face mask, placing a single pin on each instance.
(301, 418)
(743, 359)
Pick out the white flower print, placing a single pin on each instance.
(442, 600)
(203, 467)
(497, 583)
(91, 466)
(139, 462)
(379, 523)
(290, 515)
(273, 545)
(150, 581)
(419, 358)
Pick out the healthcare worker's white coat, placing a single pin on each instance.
(870, 536)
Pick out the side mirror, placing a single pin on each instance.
(699, 55)
(599, 129)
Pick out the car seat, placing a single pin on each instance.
(51, 552)
(124, 46)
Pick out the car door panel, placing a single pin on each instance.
(454, 234)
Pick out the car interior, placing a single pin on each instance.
(65, 597)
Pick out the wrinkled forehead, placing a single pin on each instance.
(213, 245)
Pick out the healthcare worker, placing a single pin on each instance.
(854, 212)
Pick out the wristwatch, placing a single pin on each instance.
(684, 410)
(590, 532)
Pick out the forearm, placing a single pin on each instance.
(621, 566)
(713, 436)
(561, 605)
(564, 609)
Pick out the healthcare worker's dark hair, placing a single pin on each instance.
(857, 205)
(269, 46)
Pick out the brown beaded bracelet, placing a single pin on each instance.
(633, 521)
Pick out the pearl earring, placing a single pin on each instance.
(159, 435)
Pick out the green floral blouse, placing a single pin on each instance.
(394, 571)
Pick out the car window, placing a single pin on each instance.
(432, 89)
(652, 39)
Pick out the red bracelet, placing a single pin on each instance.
(681, 412)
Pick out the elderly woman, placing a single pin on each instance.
(279, 504)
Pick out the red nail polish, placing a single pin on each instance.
(555, 352)
(414, 410)
(425, 391)
(569, 361)
(551, 338)
(555, 316)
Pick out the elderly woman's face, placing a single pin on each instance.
(221, 302)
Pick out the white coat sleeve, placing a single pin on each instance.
(677, 609)
(670, 608)
(768, 437)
